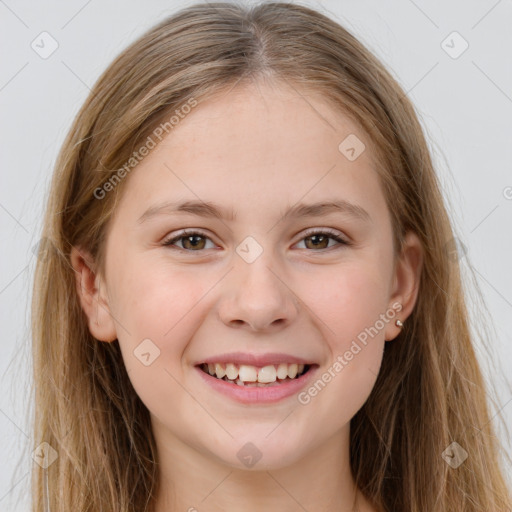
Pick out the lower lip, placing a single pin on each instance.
(254, 394)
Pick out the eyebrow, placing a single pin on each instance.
(209, 209)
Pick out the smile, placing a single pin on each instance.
(252, 376)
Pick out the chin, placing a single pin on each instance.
(261, 454)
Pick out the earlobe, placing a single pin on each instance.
(406, 282)
(91, 291)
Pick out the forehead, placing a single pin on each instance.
(262, 121)
(258, 142)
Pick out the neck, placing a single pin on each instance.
(195, 481)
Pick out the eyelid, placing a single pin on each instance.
(336, 235)
(341, 240)
(183, 233)
(326, 231)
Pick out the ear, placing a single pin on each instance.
(406, 282)
(92, 290)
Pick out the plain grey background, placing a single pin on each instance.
(464, 99)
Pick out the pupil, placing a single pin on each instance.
(315, 239)
(194, 240)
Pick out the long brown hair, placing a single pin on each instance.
(430, 392)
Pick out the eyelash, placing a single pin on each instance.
(331, 234)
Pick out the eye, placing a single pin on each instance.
(318, 238)
(191, 240)
(314, 239)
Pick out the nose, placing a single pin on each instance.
(257, 297)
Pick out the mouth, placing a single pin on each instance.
(254, 376)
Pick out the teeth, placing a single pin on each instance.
(219, 370)
(231, 371)
(248, 373)
(282, 371)
(267, 374)
(253, 376)
(292, 370)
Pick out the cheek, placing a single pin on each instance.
(161, 311)
(348, 301)
(352, 307)
(158, 303)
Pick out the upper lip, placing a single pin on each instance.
(239, 358)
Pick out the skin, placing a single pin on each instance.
(257, 150)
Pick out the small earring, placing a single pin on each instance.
(398, 323)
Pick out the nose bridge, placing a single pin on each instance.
(260, 297)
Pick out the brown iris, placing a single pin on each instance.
(323, 238)
(196, 241)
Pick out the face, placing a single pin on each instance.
(266, 281)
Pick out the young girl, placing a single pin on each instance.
(249, 298)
